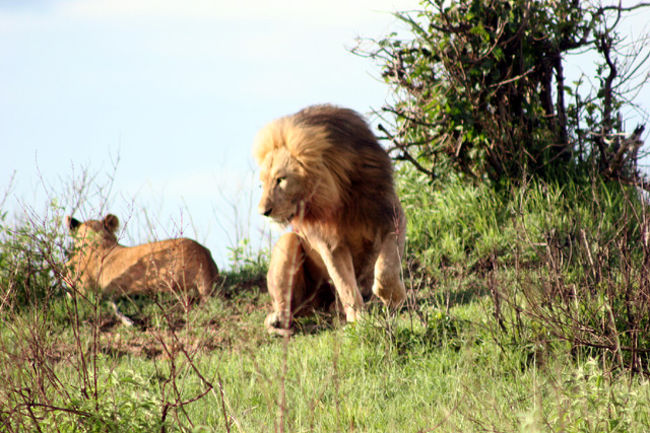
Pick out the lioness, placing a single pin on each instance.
(99, 262)
(324, 173)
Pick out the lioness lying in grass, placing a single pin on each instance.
(98, 261)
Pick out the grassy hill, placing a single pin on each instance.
(527, 311)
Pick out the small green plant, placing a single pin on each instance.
(32, 254)
(135, 408)
(244, 259)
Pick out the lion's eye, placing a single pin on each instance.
(280, 180)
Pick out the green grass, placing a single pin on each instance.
(466, 354)
(448, 372)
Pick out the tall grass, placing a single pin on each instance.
(568, 262)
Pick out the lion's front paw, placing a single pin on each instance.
(276, 326)
(352, 314)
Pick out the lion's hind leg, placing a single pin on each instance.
(388, 284)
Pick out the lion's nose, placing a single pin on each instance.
(265, 206)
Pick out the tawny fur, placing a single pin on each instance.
(99, 262)
(324, 173)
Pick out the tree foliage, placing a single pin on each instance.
(480, 89)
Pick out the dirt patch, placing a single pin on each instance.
(168, 331)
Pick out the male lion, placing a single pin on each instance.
(99, 262)
(323, 172)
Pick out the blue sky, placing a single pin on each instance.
(175, 90)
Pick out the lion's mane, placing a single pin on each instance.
(349, 175)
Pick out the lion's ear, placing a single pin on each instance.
(72, 223)
(111, 223)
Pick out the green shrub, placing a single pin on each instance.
(479, 89)
(32, 254)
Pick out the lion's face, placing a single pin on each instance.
(283, 186)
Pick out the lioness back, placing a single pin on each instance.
(173, 264)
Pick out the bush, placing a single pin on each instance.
(480, 90)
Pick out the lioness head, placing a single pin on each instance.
(283, 186)
(91, 240)
(93, 233)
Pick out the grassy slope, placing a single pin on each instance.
(441, 364)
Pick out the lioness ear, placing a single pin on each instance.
(111, 223)
(72, 223)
